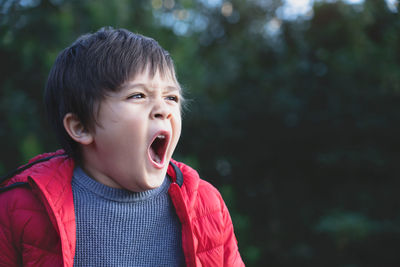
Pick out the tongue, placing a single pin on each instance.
(156, 158)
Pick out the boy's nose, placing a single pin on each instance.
(160, 111)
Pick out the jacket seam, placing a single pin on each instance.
(11, 234)
(28, 209)
(207, 214)
(53, 252)
(5, 227)
(208, 250)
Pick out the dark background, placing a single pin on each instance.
(296, 121)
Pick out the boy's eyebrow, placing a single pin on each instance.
(144, 86)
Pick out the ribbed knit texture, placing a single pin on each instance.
(116, 227)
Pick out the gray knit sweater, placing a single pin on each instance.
(116, 227)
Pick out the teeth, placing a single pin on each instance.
(161, 136)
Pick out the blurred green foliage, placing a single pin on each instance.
(295, 121)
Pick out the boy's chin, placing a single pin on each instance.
(153, 182)
(157, 181)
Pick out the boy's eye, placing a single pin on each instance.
(136, 96)
(173, 98)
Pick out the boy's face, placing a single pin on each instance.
(137, 132)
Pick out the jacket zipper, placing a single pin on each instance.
(187, 231)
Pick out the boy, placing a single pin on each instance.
(113, 196)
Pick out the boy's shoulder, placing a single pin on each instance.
(198, 192)
(191, 178)
(44, 168)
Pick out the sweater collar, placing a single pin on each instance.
(85, 182)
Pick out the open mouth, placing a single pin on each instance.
(158, 148)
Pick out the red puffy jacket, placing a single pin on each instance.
(37, 218)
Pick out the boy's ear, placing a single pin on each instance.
(76, 130)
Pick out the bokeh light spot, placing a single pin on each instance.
(227, 9)
(156, 4)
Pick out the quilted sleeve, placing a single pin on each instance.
(9, 255)
(27, 237)
(231, 252)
